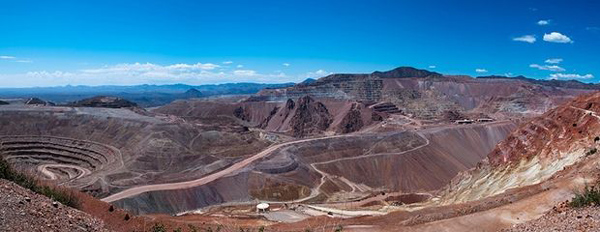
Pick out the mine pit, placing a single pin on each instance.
(57, 158)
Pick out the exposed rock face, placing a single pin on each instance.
(4, 103)
(37, 101)
(534, 152)
(352, 121)
(241, 113)
(453, 115)
(104, 102)
(265, 122)
(427, 95)
(311, 117)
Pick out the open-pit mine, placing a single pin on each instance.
(405, 149)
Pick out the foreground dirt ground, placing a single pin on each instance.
(23, 210)
(563, 219)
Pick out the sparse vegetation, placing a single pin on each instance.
(590, 196)
(63, 195)
(591, 152)
(192, 228)
(158, 227)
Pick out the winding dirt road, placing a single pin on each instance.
(210, 178)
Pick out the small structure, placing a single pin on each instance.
(262, 207)
(485, 120)
(464, 121)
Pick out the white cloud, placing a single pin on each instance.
(46, 74)
(228, 62)
(556, 37)
(286, 64)
(553, 68)
(432, 66)
(23, 61)
(481, 70)
(526, 38)
(152, 69)
(554, 61)
(150, 73)
(245, 72)
(7, 57)
(543, 22)
(570, 76)
(318, 73)
(239, 66)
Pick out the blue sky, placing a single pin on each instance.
(47, 43)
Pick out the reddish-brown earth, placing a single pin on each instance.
(368, 152)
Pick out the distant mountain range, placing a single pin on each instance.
(143, 95)
(374, 87)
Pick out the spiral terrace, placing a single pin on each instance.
(63, 159)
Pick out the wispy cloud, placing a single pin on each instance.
(594, 30)
(543, 22)
(153, 69)
(481, 70)
(432, 66)
(245, 72)
(570, 76)
(526, 38)
(7, 57)
(556, 37)
(228, 62)
(286, 64)
(239, 66)
(554, 61)
(318, 73)
(553, 68)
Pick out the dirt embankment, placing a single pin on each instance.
(24, 210)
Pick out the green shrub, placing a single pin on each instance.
(158, 227)
(62, 195)
(192, 228)
(338, 228)
(589, 196)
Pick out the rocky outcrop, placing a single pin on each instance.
(37, 101)
(104, 102)
(265, 122)
(453, 115)
(4, 103)
(241, 113)
(352, 121)
(533, 153)
(403, 72)
(310, 118)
